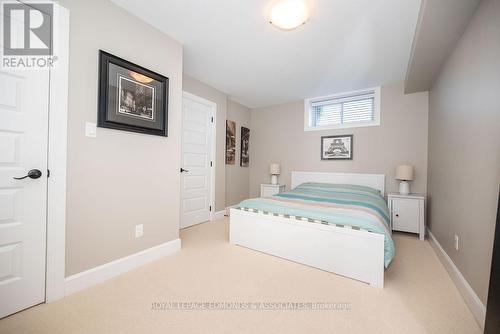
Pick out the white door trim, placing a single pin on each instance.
(57, 159)
(213, 106)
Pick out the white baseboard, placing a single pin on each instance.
(219, 215)
(88, 278)
(475, 304)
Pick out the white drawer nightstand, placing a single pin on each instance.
(267, 190)
(407, 213)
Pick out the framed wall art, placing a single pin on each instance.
(336, 147)
(131, 97)
(245, 142)
(230, 142)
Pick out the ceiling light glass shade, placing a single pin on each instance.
(289, 14)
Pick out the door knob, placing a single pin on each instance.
(184, 170)
(32, 174)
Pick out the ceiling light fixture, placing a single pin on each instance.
(289, 14)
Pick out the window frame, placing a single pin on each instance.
(376, 110)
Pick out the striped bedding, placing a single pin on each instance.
(343, 205)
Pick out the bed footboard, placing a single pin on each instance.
(351, 253)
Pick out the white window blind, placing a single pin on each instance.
(346, 109)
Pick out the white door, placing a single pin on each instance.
(23, 147)
(196, 172)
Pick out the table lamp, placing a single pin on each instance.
(404, 173)
(274, 170)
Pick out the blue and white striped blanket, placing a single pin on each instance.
(342, 205)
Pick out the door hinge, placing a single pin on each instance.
(210, 163)
(210, 208)
(48, 173)
(212, 119)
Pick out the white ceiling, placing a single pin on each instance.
(228, 44)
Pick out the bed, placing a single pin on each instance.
(336, 222)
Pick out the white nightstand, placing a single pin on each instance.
(407, 213)
(267, 190)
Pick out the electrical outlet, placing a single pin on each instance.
(139, 230)
(456, 242)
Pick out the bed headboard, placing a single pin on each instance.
(376, 181)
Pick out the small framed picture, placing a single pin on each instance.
(131, 97)
(336, 147)
(230, 142)
(245, 141)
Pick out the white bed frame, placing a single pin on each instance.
(343, 251)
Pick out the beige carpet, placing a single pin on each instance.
(418, 297)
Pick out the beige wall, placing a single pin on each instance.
(464, 147)
(207, 92)
(118, 179)
(237, 177)
(278, 136)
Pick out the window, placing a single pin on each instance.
(348, 110)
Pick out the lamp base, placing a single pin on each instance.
(274, 179)
(404, 188)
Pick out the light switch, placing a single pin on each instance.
(139, 230)
(90, 129)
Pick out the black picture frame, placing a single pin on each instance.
(337, 149)
(230, 142)
(144, 109)
(244, 147)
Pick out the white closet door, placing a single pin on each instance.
(197, 148)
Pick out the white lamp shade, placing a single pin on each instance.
(404, 172)
(274, 169)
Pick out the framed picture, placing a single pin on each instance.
(230, 142)
(336, 147)
(131, 97)
(245, 141)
